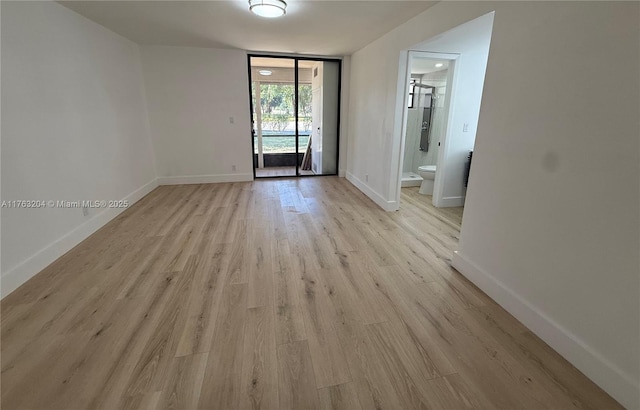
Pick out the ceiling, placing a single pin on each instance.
(321, 27)
(427, 65)
(281, 75)
(282, 70)
(280, 62)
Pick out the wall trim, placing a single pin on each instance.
(204, 179)
(21, 273)
(599, 369)
(373, 195)
(451, 201)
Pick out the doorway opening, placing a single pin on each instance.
(460, 55)
(426, 120)
(295, 114)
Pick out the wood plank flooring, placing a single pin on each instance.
(274, 294)
(280, 172)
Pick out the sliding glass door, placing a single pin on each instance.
(295, 104)
(318, 115)
(273, 115)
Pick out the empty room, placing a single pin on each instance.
(293, 204)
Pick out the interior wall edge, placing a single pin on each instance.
(16, 276)
(379, 200)
(596, 367)
(451, 201)
(345, 86)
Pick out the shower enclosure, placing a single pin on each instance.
(425, 123)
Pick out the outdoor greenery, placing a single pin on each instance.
(277, 101)
(273, 145)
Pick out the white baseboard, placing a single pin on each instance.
(451, 201)
(18, 275)
(375, 197)
(342, 173)
(605, 374)
(204, 179)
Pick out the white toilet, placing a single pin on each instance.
(428, 174)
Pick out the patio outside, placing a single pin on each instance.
(278, 117)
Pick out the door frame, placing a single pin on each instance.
(296, 58)
(404, 76)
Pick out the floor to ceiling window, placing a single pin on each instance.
(295, 105)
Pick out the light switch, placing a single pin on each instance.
(465, 127)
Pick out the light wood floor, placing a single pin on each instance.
(280, 294)
(280, 172)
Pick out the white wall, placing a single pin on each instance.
(74, 127)
(344, 115)
(191, 93)
(551, 224)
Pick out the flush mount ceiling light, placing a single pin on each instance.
(265, 72)
(268, 8)
(439, 65)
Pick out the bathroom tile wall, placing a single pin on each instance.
(413, 157)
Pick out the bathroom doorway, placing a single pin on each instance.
(466, 48)
(428, 103)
